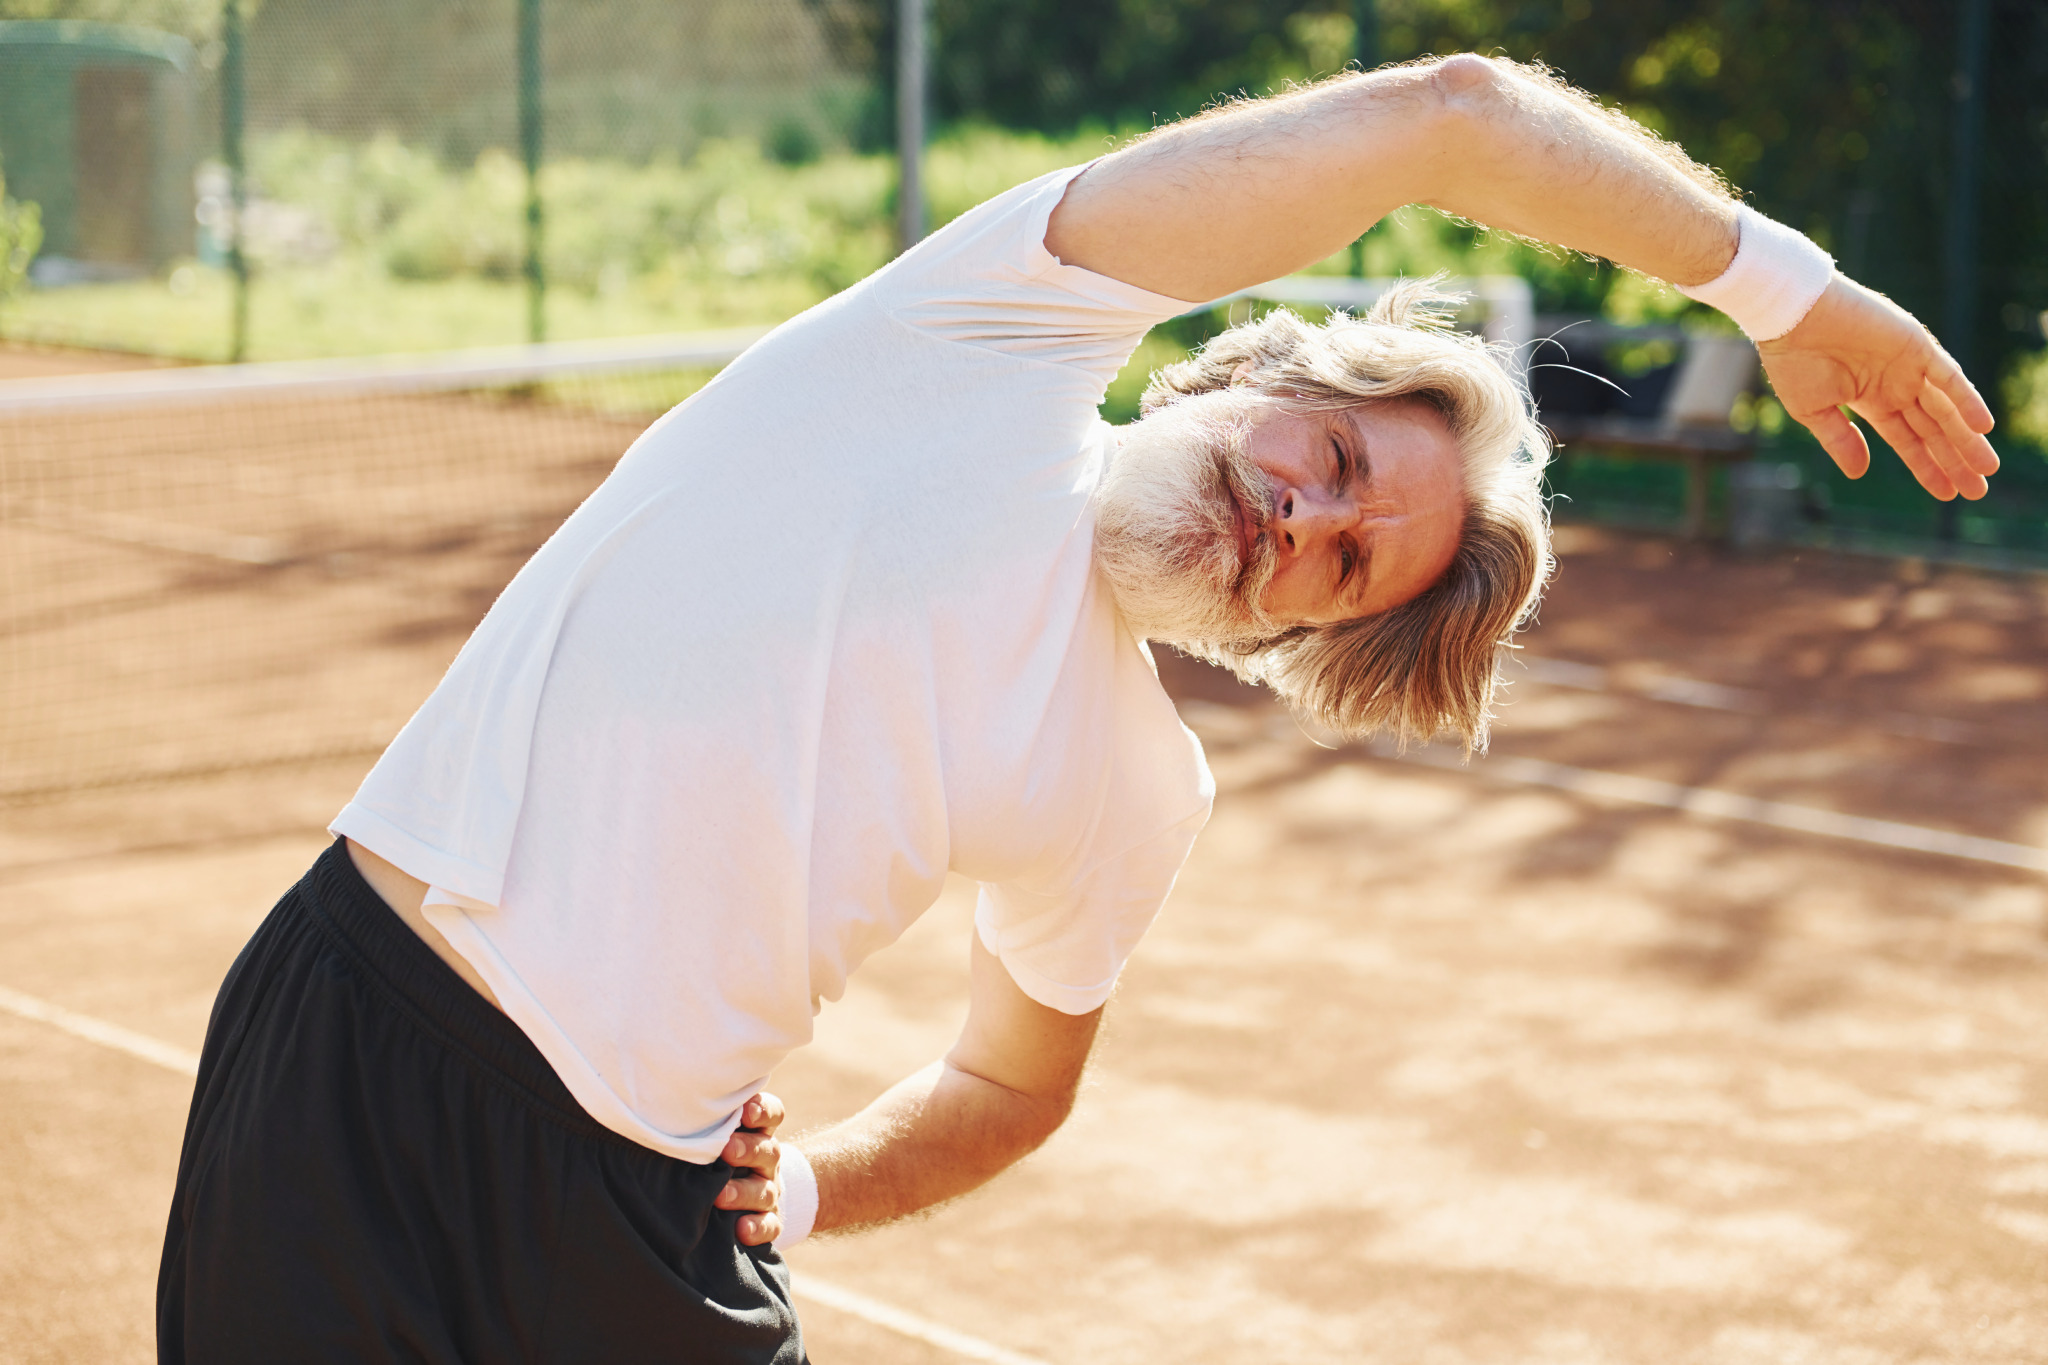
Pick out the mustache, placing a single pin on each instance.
(1181, 530)
(1238, 483)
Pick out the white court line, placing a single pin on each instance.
(1747, 701)
(831, 1295)
(433, 372)
(1646, 791)
(907, 1324)
(100, 1031)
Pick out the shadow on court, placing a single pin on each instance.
(1418, 1065)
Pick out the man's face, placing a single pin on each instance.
(1232, 516)
(1365, 512)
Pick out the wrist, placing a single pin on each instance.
(1773, 282)
(797, 1201)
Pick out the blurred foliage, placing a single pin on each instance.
(377, 245)
(2026, 402)
(195, 20)
(735, 210)
(1833, 115)
(21, 236)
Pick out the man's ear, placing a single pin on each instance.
(1241, 373)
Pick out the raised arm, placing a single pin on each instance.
(1259, 189)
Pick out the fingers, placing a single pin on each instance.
(750, 1192)
(1955, 386)
(1842, 440)
(753, 1148)
(1972, 450)
(1902, 438)
(752, 1152)
(1935, 442)
(759, 1229)
(763, 1112)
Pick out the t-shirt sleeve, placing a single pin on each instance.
(1065, 949)
(987, 280)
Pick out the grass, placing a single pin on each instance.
(362, 248)
(343, 308)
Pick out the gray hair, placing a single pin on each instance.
(1432, 663)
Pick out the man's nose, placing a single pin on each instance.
(1303, 517)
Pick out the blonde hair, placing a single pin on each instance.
(1431, 664)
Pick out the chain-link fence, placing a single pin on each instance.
(297, 177)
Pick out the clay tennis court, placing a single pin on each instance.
(1551, 1059)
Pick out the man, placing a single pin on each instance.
(867, 610)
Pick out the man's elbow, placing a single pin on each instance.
(1470, 89)
(1037, 1119)
(1010, 1122)
(1468, 127)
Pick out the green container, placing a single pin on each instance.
(96, 125)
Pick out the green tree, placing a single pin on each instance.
(1833, 115)
(1054, 65)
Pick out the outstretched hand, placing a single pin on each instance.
(1859, 350)
(757, 1161)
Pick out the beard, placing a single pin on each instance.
(1167, 525)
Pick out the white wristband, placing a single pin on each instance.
(799, 1201)
(1776, 277)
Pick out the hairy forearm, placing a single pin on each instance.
(931, 1137)
(1261, 188)
(1524, 154)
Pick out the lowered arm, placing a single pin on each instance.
(1007, 1084)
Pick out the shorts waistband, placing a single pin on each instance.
(393, 957)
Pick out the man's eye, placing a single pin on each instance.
(1345, 559)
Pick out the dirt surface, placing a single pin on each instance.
(18, 361)
(1418, 1065)
(240, 582)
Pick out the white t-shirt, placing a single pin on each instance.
(829, 630)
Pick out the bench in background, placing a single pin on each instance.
(1679, 412)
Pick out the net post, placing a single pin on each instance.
(231, 121)
(529, 149)
(910, 107)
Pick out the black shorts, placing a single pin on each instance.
(380, 1166)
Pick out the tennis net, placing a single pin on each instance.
(222, 567)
